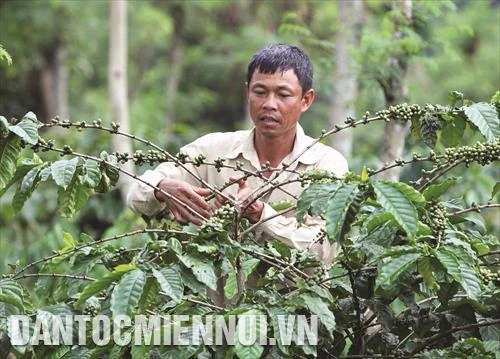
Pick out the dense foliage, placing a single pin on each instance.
(417, 274)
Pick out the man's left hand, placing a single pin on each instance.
(253, 209)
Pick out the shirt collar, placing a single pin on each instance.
(246, 148)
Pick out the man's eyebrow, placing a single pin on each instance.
(280, 87)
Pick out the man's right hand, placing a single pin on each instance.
(191, 196)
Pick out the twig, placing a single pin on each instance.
(439, 172)
(476, 208)
(77, 248)
(146, 142)
(440, 335)
(489, 253)
(55, 275)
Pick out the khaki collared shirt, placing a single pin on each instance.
(239, 146)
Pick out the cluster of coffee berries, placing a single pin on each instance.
(219, 163)
(89, 310)
(316, 176)
(436, 218)
(115, 127)
(487, 276)
(199, 160)
(67, 149)
(139, 157)
(402, 112)
(219, 220)
(182, 157)
(482, 153)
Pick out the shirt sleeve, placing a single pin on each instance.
(141, 198)
(303, 237)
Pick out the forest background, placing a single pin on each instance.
(186, 74)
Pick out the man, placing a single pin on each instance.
(279, 90)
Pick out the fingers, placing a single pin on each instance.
(241, 181)
(184, 216)
(184, 200)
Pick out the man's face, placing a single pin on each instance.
(276, 102)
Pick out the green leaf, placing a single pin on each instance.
(485, 117)
(398, 250)
(202, 270)
(415, 128)
(11, 293)
(393, 267)
(450, 263)
(470, 282)
(127, 293)
(495, 189)
(30, 178)
(315, 197)
(490, 332)
(394, 201)
(338, 206)
(364, 175)
(24, 165)
(102, 283)
(281, 205)
(320, 308)
(10, 148)
(250, 326)
(411, 193)
(377, 220)
(454, 97)
(91, 174)
(108, 168)
(429, 125)
(282, 332)
(453, 131)
(170, 282)
(248, 266)
(63, 171)
(25, 190)
(4, 127)
(424, 266)
(73, 198)
(436, 190)
(27, 128)
(78, 353)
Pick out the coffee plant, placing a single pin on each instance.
(417, 274)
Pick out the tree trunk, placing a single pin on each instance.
(396, 91)
(118, 87)
(345, 83)
(175, 62)
(54, 81)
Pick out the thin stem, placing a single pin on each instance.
(439, 172)
(476, 208)
(104, 240)
(443, 334)
(156, 188)
(54, 275)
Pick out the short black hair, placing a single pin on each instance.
(283, 57)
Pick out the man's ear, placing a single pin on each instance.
(246, 91)
(307, 100)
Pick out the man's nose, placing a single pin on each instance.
(270, 102)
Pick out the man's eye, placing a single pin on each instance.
(284, 94)
(259, 92)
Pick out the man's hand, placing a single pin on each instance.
(190, 195)
(254, 210)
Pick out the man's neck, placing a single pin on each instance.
(274, 150)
